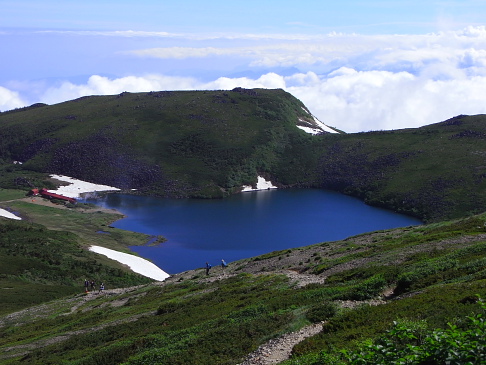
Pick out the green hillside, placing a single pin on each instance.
(44, 256)
(423, 277)
(433, 172)
(211, 143)
(403, 296)
(186, 143)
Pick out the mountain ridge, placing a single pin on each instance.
(208, 144)
(141, 140)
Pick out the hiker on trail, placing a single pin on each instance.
(93, 285)
(102, 287)
(86, 285)
(223, 265)
(207, 268)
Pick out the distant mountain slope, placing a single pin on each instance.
(194, 143)
(431, 172)
(211, 143)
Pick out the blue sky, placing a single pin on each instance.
(357, 65)
(307, 16)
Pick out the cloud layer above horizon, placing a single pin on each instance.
(349, 81)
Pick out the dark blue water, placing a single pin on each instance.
(245, 225)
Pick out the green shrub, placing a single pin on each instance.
(168, 308)
(405, 345)
(368, 289)
(321, 312)
(418, 277)
(407, 342)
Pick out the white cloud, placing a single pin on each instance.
(124, 33)
(186, 52)
(10, 99)
(353, 82)
(267, 81)
(99, 85)
(381, 100)
(363, 51)
(190, 36)
(347, 99)
(270, 55)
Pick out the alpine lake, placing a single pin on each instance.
(244, 225)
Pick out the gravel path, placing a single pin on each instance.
(279, 349)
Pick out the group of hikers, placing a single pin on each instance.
(91, 284)
(223, 265)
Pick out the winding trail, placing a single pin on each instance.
(279, 349)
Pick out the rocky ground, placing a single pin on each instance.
(279, 349)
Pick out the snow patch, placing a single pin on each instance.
(77, 187)
(136, 264)
(310, 130)
(304, 109)
(7, 214)
(316, 128)
(323, 126)
(73, 190)
(262, 184)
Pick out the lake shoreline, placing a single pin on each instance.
(177, 250)
(246, 225)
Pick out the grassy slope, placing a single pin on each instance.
(210, 143)
(433, 172)
(168, 143)
(192, 320)
(48, 259)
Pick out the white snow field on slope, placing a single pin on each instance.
(136, 264)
